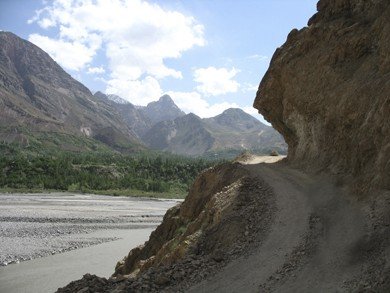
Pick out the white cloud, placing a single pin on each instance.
(216, 81)
(71, 55)
(137, 37)
(138, 92)
(195, 103)
(96, 70)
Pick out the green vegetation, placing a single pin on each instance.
(141, 174)
(21, 139)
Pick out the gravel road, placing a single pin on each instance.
(322, 240)
(38, 225)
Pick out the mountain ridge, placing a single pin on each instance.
(38, 97)
(36, 93)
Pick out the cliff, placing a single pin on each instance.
(327, 91)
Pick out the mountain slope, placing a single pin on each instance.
(238, 130)
(134, 117)
(185, 135)
(163, 109)
(233, 129)
(37, 95)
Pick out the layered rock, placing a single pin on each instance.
(327, 91)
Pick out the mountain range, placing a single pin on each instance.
(43, 106)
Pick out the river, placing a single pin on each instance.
(48, 240)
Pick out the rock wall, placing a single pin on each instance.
(327, 91)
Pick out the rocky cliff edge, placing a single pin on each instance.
(327, 91)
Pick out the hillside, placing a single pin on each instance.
(184, 135)
(38, 98)
(232, 129)
(238, 130)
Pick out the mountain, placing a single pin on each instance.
(43, 106)
(38, 98)
(185, 135)
(117, 99)
(233, 129)
(163, 109)
(235, 119)
(133, 116)
(238, 130)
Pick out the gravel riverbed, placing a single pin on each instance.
(38, 225)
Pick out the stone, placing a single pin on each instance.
(162, 279)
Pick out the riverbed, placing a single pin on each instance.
(48, 240)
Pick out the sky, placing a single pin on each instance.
(208, 55)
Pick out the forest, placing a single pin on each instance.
(105, 173)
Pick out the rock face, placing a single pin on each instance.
(38, 96)
(327, 91)
(163, 109)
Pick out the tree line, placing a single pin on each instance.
(100, 171)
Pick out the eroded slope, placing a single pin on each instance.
(328, 91)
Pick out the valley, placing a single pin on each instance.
(299, 206)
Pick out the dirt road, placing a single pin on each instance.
(322, 240)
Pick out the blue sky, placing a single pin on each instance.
(209, 55)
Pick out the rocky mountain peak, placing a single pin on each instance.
(117, 99)
(237, 119)
(100, 95)
(191, 116)
(163, 109)
(236, 113)
(166, 99)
